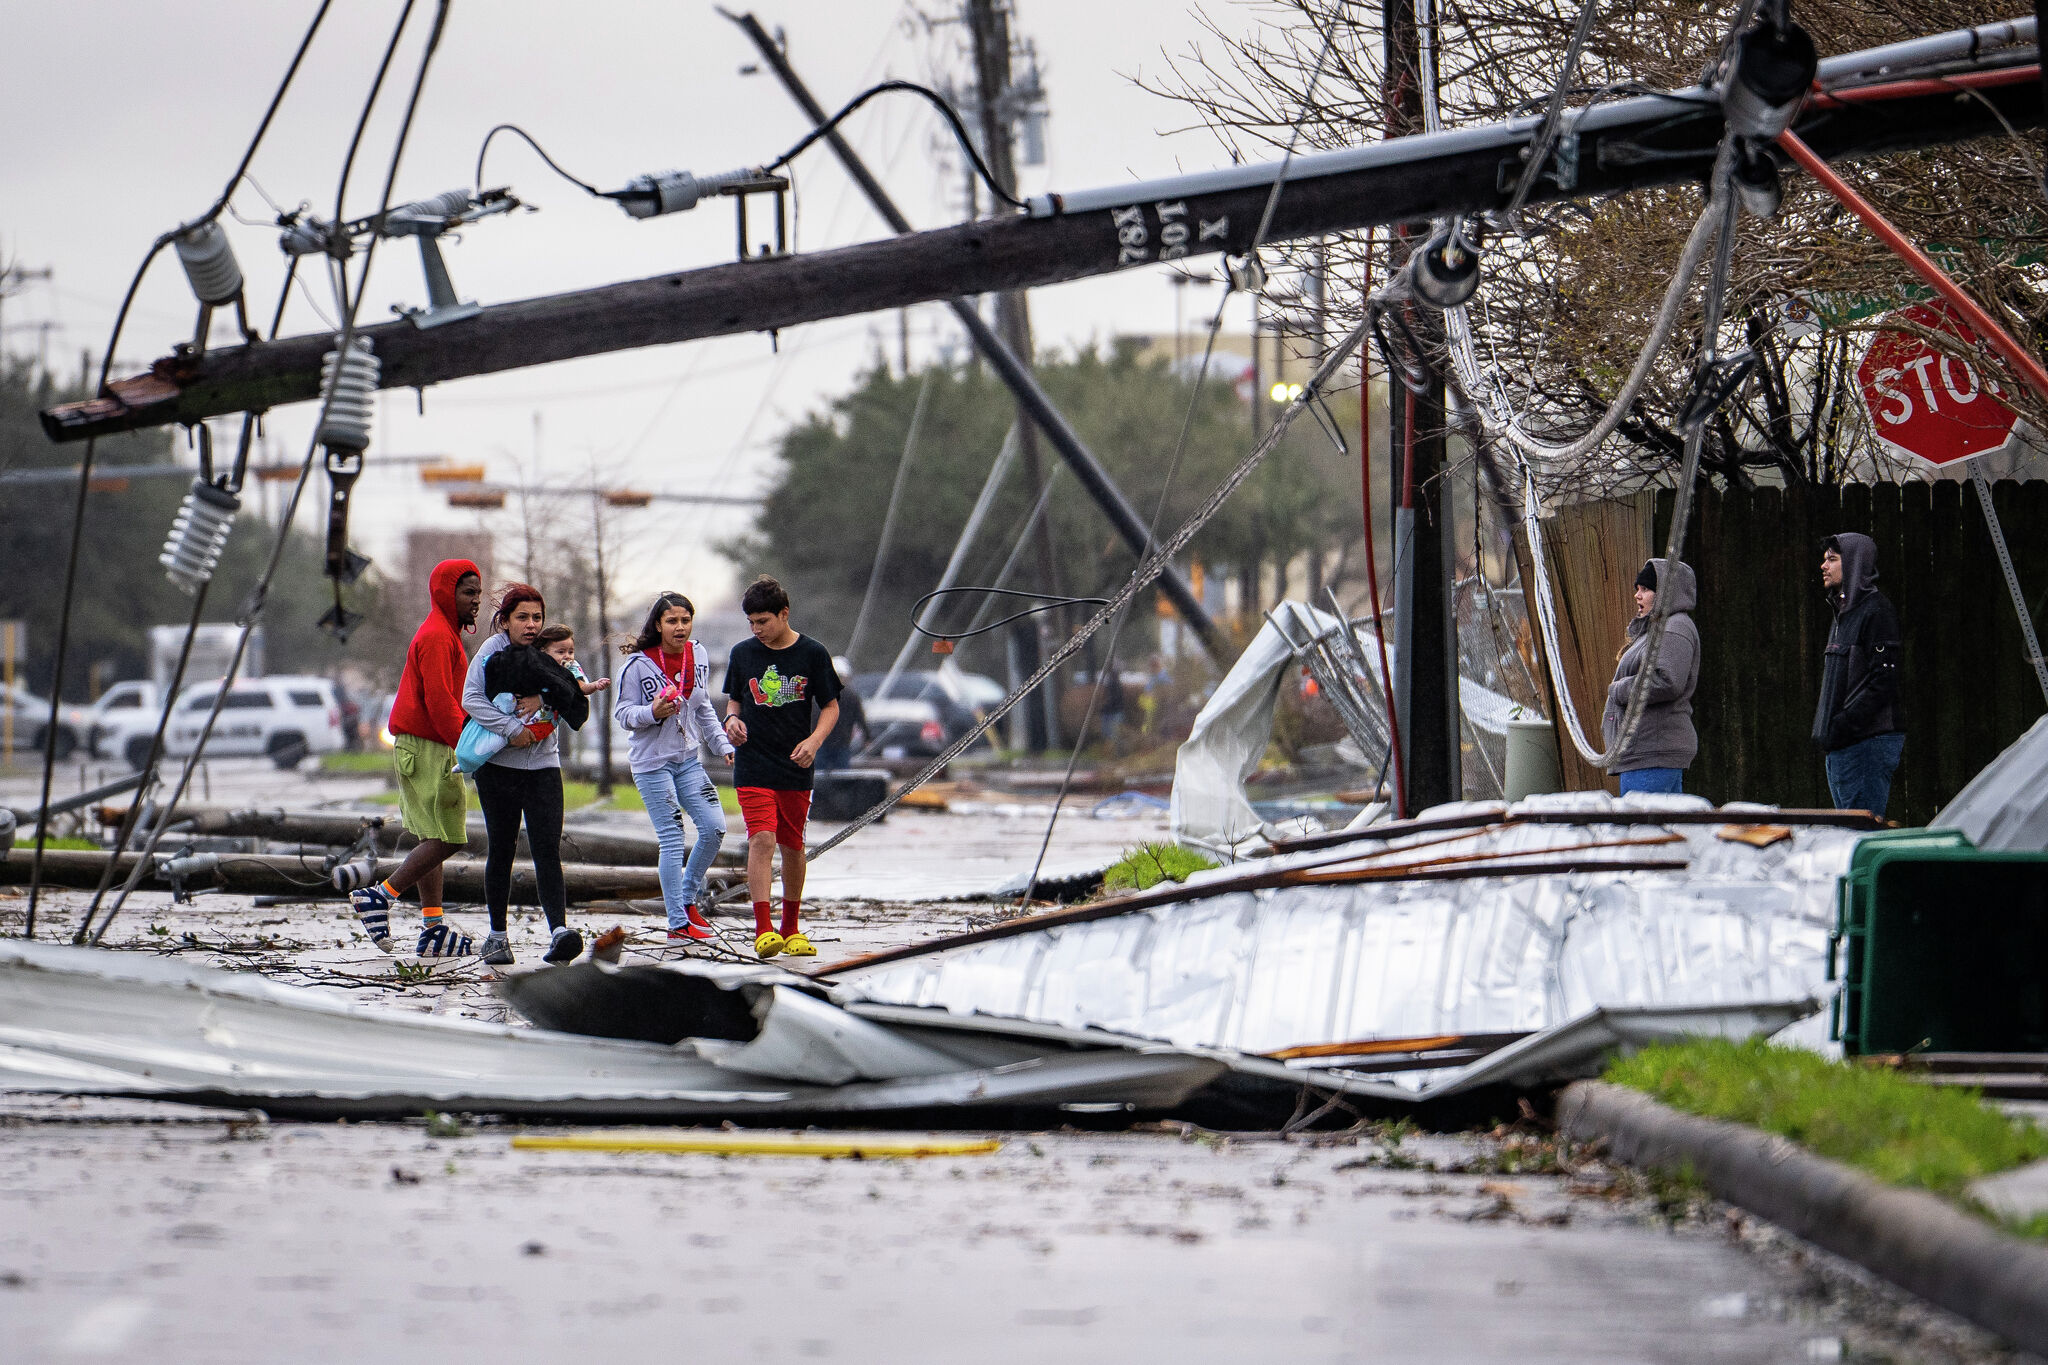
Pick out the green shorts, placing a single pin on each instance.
(430, 798)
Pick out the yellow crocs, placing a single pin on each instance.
(768, 944)
(796, 945)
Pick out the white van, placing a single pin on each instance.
(283, 718)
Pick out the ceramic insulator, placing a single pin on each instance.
(198, 534)
(209, 263)
(351, 396)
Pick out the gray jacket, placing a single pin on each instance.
(546, 754)
(1665, 737)
(657, 743)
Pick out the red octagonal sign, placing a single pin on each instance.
(1928, 405)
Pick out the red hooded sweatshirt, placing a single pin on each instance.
(429, 700)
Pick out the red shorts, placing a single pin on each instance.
(768, 809)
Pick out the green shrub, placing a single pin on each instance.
(1149, 864)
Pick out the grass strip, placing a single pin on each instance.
(1901, 1131)
(1149, 864)
(375, 762)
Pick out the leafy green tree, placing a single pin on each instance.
(820, 526)
(122, 590)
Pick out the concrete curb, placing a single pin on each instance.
(1916, 1240)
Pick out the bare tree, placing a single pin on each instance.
(1568, 297)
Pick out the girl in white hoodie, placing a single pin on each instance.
(664, 703)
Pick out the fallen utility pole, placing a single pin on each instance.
(275, 874)
(1011, 367)
(579, 845)
(1624, 145)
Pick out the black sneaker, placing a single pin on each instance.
(566, 946)
(496, 950)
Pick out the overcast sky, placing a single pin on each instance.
(122, 118)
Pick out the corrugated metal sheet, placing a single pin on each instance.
(1263, 970)
(89, 1022)
(2005, 807)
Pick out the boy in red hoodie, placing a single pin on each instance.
(426, 720)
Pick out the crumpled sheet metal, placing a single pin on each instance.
(92, 1022)
(1209, 808)
(1571, 1050)
(2004, 809)
(1259, 971)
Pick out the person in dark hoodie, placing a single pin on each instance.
(426, 720)
(1664, 742)
(1859, 724)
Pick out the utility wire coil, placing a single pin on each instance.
(932, 97)
(1046, 602)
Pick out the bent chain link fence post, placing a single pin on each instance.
(2012, 579)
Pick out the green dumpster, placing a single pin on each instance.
(1943, 947)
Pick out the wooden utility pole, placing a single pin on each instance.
(12, 277)
(1426, 658)
(604, 643)
(989, 22)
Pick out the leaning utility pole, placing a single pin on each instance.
(1009, 367)
(1426, 653)
(989, 22)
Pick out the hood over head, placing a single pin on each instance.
(1859, 568)
(441, 587)
(1674, 584)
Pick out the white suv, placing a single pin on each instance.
(282, 718)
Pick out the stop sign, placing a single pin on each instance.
(1934, 407)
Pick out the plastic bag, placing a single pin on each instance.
(479, 743)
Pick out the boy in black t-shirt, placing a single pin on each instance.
(782, 699)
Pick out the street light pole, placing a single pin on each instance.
(604, 638)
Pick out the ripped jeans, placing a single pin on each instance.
(670, 792)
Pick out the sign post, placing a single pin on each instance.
(13, 638)
(1940, 409)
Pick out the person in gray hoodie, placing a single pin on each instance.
(1664, 742)
(1859, 724)
(665, 705)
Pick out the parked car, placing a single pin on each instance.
(114, 718)
(30, 714)
(902, 727)
(283, 718)
(962, 698)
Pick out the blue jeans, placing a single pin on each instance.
(1860, 774)
(669, 793)
(1654, 781)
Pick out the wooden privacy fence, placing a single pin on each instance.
(1967, 688)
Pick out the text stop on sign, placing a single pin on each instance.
(1934, 407)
